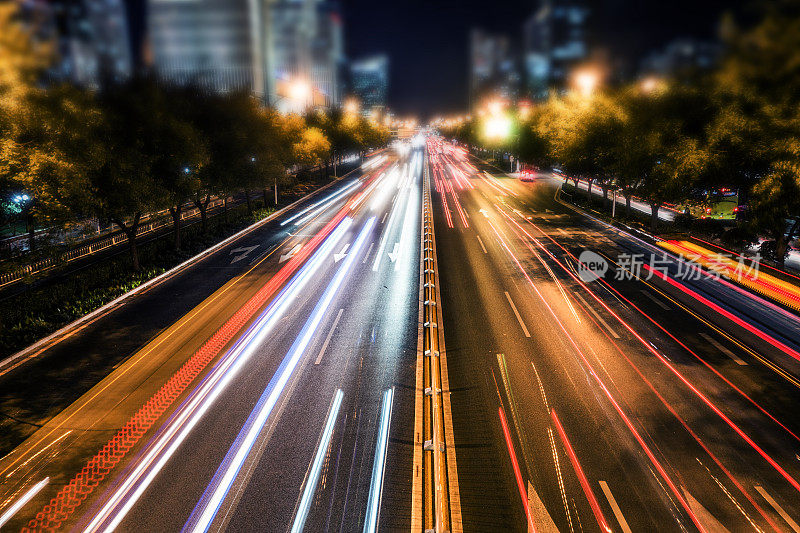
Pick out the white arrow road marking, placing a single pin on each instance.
(338, 257)
(243, 252)
(484, 212)
(394, 253)
(290, 254)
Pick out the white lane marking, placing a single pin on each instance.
(291, 253)
(328, 338)
(384, 217)
(597, 316)
(366, 255)
(712, 341)
(623, 524)
(514, 307)
(562, 232)
(19, 504)
(338, 257)
(395, 251)
(778, 508)
(316, 466)
(243, 252)
(482, 246)
(655, 300)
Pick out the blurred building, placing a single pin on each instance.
(288, 52)
(91, 36)
(369, 81)
(554, 43)
(493, 69)
(681, 56)
(306, 46)
(216, 44)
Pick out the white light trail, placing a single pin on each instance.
(316, 466)
(376, 485)
(175, 432)
(19, 504)
(328, 198)
(206, 510)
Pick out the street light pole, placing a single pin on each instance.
(614, 204)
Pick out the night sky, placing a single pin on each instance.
(427, 40)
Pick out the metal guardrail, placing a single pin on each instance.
(436, 503)
(154, 224)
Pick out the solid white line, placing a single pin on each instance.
(328, 338)
(774, 504)
(712, 341)
(366, 255)
(514, 307)
(655, 300)
(623, 524)
(482, 246)
(597, 316)
(19, 504)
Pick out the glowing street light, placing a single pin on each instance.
(650, 84)
(586, 81)
(351, 106)
(497, 128)
(300, 91)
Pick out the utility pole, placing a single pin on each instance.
(614, 203)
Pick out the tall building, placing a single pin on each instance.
(555, 41)
(369, 81)
(493, 68)
(306, 46)
(213, 43)
(287, 52)
(91, 36)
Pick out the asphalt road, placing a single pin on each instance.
(631, 404)
(335, 329)
(272, 385)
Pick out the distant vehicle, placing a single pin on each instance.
(527, 173)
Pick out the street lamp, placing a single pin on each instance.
(586, 81)
(351, 106)
(300, 91)
(650, 84)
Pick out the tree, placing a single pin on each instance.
(761, 128)
(586, 131)
(119, 160)
(22, 61)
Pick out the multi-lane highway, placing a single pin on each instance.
(281, 382)
(628, 404)
(284, 399)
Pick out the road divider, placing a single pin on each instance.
(436, 511)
